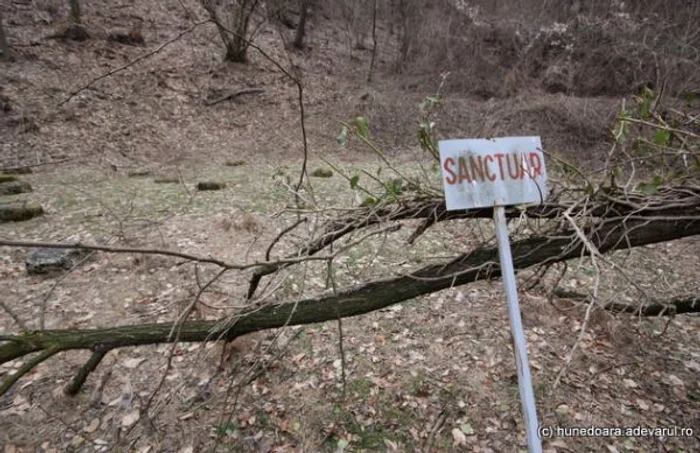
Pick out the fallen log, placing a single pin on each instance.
(676, 305)
(479, 264)
(678, 201)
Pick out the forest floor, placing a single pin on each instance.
(432, 374)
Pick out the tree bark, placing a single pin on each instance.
(671, 307)
(374, 42)
(4, 48)
(479, 264)
(234, 30)
(301, 27)
(75, 13)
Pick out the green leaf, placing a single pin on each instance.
(428, 103)
(342, 445)
(369, 201)
(689, 98)
(362, 126)
(647, 189)
(395, 186)
(342, 137)
(568, 169)
(354, 180)
(644, 109)
(467, 429)
(662, 137)
(645, 102)
(621, 130)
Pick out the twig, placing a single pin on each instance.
(28, 166)
(282, 233)
(331, 279)
(176, 329)
(110, 249)
(594, 254)
(342, 352)
(44, 301)
(661, 126)
(233, 95)
(132, 62)
(441, 419)
(186, 256)
(230, 325)
(300, 96)
(27, 367)
(611, 367)
(13, 315)
(353, 300)
(96, 396)
(76, 384)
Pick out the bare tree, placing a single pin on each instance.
(4, 48)
(233, 19)
(75, 12)
(374, 41)
(301, 26)
(408, 17)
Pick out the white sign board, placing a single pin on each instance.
(480, 173)
(496, 172)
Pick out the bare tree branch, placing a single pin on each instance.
(132, 62)
(479, 264)
(678, 202)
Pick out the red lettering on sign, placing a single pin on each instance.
(536, 165)
(452, 178)
(463, 170)
(511, 166)
(514, 170)
(489, 159)
(500, 156)
(477, 168)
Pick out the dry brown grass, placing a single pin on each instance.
(250, 223)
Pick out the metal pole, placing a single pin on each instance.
(527, 397)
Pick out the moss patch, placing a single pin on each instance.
(322, 173)
(7, 177)
(166, 180)
(14, 187)
(139, 173)
(235, 163)
(210, 185)
(16, 212)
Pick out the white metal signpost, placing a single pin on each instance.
(495, 173)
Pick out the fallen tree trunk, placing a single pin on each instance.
(479, 264)
(674, 306)
(680, 201)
